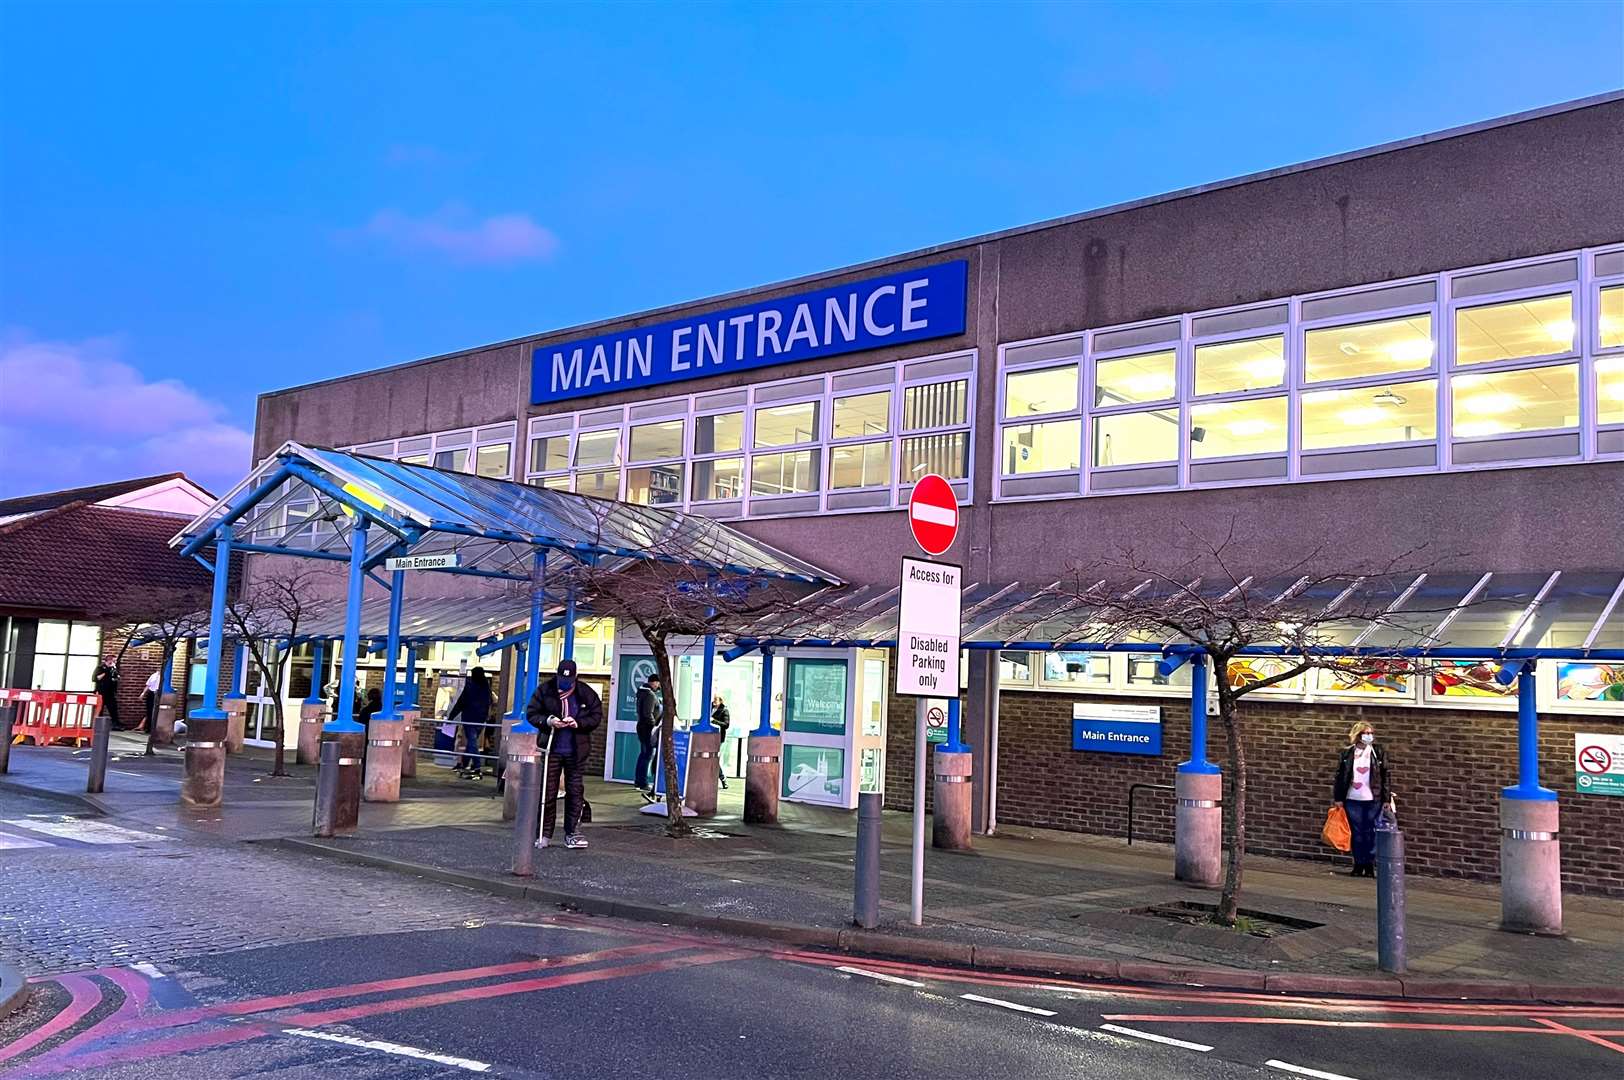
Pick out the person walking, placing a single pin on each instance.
(106, 679)
(149, 700)
(650, 708)
(1363, 788)
(474, 706)
(572, 710)
(721, 720)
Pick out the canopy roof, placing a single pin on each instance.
(305, 501)
(1487, 615)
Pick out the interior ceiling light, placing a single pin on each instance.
(1388, 397)
(1349, 348)
(1560, 330)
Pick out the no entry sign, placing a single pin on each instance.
(933, 514)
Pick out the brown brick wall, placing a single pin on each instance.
(1448, 768)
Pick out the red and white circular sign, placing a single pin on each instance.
(933, 514)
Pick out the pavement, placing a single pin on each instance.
(1028, 901)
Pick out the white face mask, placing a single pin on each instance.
(1367, 738)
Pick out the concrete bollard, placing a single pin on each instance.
(950, 813)
(8, 717)
(408, 742)
(311, 718)
(1198, 828)
(340, 777)
(866, 890)
(236, 724)
(163, 724)
(527, 818)
(205, 780)
(384, 746)
(704, 772)
(762, 775)
(1530, 866)
(520, 748)
(101, 741)
(1390, 950)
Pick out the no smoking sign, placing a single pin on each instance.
(1598, 763)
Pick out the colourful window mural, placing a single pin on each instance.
(1469, 679)
(1590, 682)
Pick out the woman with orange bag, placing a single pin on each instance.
(1362, 788)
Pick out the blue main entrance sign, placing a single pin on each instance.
(915, 305)
(1116, 729)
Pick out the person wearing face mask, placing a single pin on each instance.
(1362, 787)
(570, 710)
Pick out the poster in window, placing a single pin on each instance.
(816, 703)
(634, 672)
(1590, 682)
(1382, 677)
(1469, 679)
(814, 774)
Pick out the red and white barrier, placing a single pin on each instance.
(51, 716)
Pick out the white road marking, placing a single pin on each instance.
(86, 832)
(1155, 1038)
(936, 515)
(1002, 1004)
(149, 970)
(9, 842)
(391, 1048)
(879, 976)
(1286, 1066)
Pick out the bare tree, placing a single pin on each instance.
(266, 615)
(169, 616)
(667, 597)
(1207, 603)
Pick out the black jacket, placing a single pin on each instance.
(649, 710)
(722, 719)
(473, 704)
(1380, 783)
(588, 712)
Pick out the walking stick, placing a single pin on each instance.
(546, 751)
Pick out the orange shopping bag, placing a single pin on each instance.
(1336, 831)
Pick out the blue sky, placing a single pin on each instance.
(202, 202)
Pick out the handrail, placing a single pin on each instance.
(1132, 790)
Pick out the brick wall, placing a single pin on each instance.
(1448, 768)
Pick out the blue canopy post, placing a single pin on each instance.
(1198, 784)
(313, 709)
(764, 769)
(340, 776)
(521, 682)
(385, 731)
(1530, 853)
(204, 784)
(520, 742)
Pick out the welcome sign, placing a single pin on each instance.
(915, 305)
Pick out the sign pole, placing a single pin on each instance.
(916, 912)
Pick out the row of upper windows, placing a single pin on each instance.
(1327, 384)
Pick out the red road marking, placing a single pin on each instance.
(1303, 1021)
(524, 986)
(86, 996)
(1587, 1036)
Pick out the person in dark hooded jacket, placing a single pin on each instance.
(570, 711)
(474, 706)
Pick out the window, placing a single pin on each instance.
(1539, 326)
(414, 459)
(1610, 389)
(1015, 668)
(943, 404)
(1137, 438)
(602, 483)
(1370, 415)
(494, 461)
(860, 465)
(1144, 670)
(948, 456)
(655, 485)
(452, 460)
(597, 448)
(1038, 448)
(549, 453)
(718, 479)
(794, 473)
(929, 406)
(719, 434)
(1077, 669)
(1131, 380)
(1233, 428)
(66, 655)
(1374, 348)
(786, 425)
(1524, 399)
(1253, 364)
(862, 415)
(1029, 393)
(657, 442)
(1610, 326)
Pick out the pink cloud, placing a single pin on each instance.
(499, 238)
(78, 414)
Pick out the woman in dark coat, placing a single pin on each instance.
(474, 706)
(1362, 787)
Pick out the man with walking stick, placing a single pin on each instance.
(570, 710)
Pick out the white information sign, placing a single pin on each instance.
(421, 562)
(928, 629)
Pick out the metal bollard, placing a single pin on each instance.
(326, 789)
(101, 740)
(527, 821)
(8, 716)
(866, 894)
(1390, 899)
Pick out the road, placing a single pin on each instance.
(168, 955)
